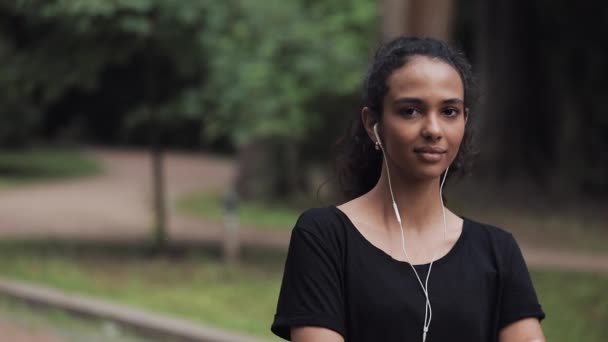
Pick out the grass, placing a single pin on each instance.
(271, 216)
(19, 167)
(195, 285)
(576, 305)
(566, 230)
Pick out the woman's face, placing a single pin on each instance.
(424, 118)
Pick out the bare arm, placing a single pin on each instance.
(525, 330)
(314, 334)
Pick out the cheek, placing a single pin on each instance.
(459, 138)
(402, 136)
(455, 138)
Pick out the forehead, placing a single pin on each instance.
(425, 78)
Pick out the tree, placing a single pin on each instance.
(272, 64)
(543, 79)
(430, 18)
(97, 35)
(254, 72)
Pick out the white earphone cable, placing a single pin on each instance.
(428, 312)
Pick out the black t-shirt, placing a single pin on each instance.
(335, 278)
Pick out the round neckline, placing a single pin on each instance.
(443, 259)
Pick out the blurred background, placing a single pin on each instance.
(156, 154)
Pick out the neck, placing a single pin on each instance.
(418, 202)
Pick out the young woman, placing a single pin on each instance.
(392, 263)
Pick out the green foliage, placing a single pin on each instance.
(275, 60)
(248, 69)
(47, 51)
(41, 164)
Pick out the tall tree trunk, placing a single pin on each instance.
(270, 169)
(394, 13)
(518, 128)
(160, 237)
(257, 170)
(428, 18)
(493, 46)
(158, 184)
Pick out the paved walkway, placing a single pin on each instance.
(117, 205)
(14, 332)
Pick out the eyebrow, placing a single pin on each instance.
(408, 100)
(453, 101)
(420, 101)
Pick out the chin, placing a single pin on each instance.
(425, 173)
(429, 176)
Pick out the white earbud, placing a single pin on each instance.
(376, 134)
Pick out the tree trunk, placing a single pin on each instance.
(160, 238)
(270, 169)
(518, 128)
(393, 20)
(257, 165)
(158, 187)
(428, 18)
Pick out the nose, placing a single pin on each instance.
(431, 129)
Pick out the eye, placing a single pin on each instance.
(451, 111)
(409, 111)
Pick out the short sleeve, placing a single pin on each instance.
(311, 290)
(519, 298)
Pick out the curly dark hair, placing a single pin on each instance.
(357, 164)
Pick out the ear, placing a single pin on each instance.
(369, 119)
(466, 115)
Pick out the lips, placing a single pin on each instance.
(430, 154)
(430, 149)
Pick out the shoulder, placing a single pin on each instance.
(492, 239)
(323, 223)
(313, 218)
(488, 231)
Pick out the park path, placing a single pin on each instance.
(18, 333)
(117, 205)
